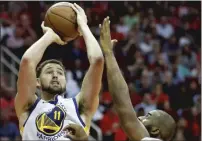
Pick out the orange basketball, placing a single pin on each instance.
(62, 19)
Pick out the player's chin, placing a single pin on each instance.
(58, 90)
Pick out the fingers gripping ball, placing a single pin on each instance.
(63, 20)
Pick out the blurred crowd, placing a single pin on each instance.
(159, 53)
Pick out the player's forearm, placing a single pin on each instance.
(121, 99)
(35, 53)
(93, 48)
(117, 85)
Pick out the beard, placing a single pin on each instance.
(53, 91)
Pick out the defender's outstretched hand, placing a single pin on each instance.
(105, 37)
(55, 37)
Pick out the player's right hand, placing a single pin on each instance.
(55, 37)
(105, 37)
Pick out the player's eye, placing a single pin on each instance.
(49, 72)
(60, 73)
(147, 115)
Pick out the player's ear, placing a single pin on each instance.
(155, 132)
(38, 83)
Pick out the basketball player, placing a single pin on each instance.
(44, 117)
(157, 124)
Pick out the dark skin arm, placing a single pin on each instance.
(118, 89)
(75, 132)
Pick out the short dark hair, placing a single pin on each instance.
(41, 65)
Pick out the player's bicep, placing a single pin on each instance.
(134, 129)
(26, 86)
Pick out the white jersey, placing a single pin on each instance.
(47, 119)
(150, 139)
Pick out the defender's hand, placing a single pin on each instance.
(55, 37)
(81, 16)
(75, 132)
(105, 37)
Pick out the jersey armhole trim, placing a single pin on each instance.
(31, 109)
(77, 111)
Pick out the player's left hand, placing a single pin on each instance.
(75, 132)
(81, 16)
(105, 37)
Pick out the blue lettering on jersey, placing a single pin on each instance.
(48, 138)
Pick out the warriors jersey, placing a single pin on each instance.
(47, 119)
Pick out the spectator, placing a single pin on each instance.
(146, 46)
(188, 58)
(180, 72)
(119, 134)
(29, 33)
(122, 28)
(164, 29)
(109, 124)
(183, 10)
(7, 101)
(115, 34)
(181, 131)
(8, 130)
(131, 18)
(78, 73)
(171, 47)
(184, 41)
(16, 40)
(145, 83)
(157, 54)
(6, 23)
(135, 98)
(72, 88)
(158, 95)
(147, 104)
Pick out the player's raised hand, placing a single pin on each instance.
(56, 38)
(81, 16)
(75, 132)
(105, 36)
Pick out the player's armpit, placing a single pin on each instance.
(134, 129)
(88, 98)
(90, 89)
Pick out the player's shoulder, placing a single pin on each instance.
(150, 139)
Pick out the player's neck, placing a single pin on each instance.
(46, 96)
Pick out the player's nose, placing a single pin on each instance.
(55, 75)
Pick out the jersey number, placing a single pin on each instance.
(57, 115)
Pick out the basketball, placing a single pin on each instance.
(62, 19)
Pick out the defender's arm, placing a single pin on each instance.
(119, 89)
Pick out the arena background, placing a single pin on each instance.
(159, 53)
